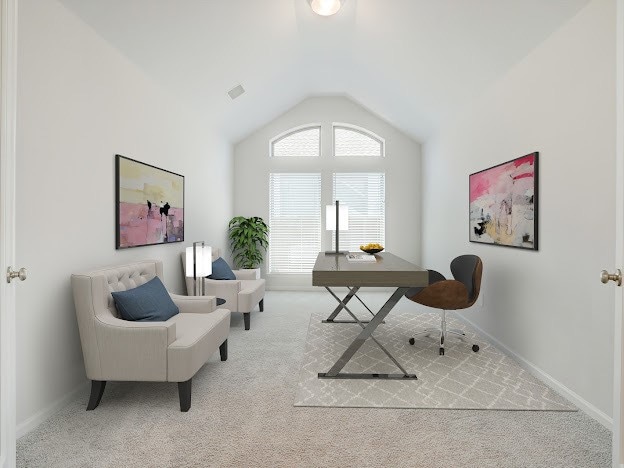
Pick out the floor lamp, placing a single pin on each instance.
(198, 265)
(336, 219)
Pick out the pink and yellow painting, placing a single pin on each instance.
(503, 204)
(150, 204)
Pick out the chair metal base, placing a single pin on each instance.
(443, 333)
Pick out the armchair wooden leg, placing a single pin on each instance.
(223, 350)
(97, 390)
(261, 304)
(247, 318)
(184, 390)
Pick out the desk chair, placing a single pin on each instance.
(450, 294)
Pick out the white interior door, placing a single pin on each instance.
(8, 52)
(618, 400)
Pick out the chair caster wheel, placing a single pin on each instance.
(475, 347)
(441, 351)
(412, 341)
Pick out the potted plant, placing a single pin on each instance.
(249, 239)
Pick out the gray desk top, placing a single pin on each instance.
(387, 270)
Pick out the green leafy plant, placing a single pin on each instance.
(249, 239)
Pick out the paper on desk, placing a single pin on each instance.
(358, 257)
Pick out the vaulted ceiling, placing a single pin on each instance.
(413, 62)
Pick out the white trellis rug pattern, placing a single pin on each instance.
(461, 379)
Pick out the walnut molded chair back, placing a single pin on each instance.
(467, 269)
(446, 294)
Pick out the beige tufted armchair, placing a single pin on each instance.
(116, 349)
(241, 295)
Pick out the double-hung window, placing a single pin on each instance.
(364, 193)
(295, 197)
(295, 222)
(295, 204)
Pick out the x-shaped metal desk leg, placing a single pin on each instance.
(367, 331)
(342, 304)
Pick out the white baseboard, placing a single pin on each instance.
(36, 419)
(291, 288)
(321, 289)
(564, 391)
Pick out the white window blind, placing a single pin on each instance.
(365, 195)
(301, 142)
(356, 142)
(294, 222)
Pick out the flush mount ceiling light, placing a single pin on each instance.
(325, 7)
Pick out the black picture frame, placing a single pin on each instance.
(503, 204)
(151, 195)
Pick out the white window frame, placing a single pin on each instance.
(361, 130)
(292, 131)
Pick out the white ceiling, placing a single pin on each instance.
(413, 62)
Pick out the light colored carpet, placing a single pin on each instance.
(461, 379)
(243, 415)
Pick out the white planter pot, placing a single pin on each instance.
(256, 271)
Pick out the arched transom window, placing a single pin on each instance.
(350, 140)
(302, 141)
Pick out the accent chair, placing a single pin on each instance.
(242, 294)
(121, 350)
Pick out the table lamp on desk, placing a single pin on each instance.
(336, 219)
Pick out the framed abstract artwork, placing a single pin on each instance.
(503, 203)
(150, 204)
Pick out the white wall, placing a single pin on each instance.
(547, 306)
(79, 103)
(401, 164)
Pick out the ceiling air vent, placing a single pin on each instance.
(236, 91)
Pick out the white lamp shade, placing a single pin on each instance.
(330, 217)
(203, 261)
(325, 7)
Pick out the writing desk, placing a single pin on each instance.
(386, 271)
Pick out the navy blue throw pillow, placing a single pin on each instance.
(149, 302)
(221, 270)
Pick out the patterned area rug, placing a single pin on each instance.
(461, 379)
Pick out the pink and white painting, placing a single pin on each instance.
(503, 204)
(150, 204)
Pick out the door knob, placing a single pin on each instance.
(21, 274)
(605, 277)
